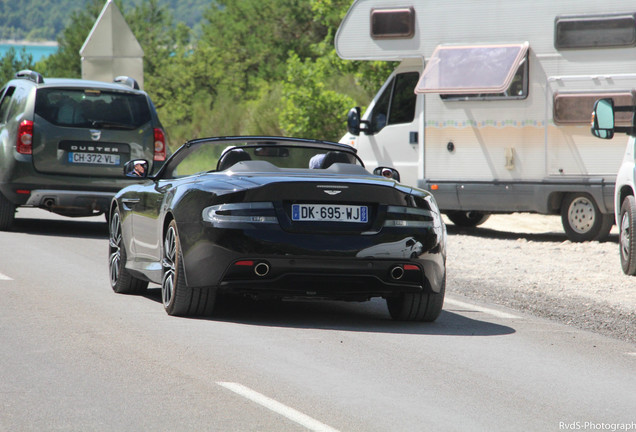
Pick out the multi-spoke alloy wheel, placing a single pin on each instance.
(169, 266)
(114, 259)
(121, 281)
(179, 298)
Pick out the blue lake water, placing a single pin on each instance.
(37, 51)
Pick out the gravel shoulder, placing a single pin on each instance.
(525, 261)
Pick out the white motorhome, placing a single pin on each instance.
(490, 105)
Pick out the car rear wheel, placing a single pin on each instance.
(467, 218)
(582, 220)
(626, 238)
(179, 299)
(7, 213)
(121, 281)
(417, 306)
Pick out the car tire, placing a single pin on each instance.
(467, 219)
(7, 213)
(121, 280)
(417, 306)
(178, 299)
(582, 220)
(626, 237)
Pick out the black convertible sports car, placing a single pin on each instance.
(276, 217)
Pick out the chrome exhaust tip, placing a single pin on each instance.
(397, 272)
(261, 269)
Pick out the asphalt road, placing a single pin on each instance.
(74, 356)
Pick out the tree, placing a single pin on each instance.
(12, 63)
(252, 39)
(153, 27)
(310, 108)
(319, 91)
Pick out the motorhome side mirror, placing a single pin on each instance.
(603, 119)
(353, 121)
(137, 168)
(387, 172)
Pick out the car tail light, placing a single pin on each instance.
(25, 137)
(399, 216)
(160, 145)
(239, 214)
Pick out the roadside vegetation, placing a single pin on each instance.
(248, 67)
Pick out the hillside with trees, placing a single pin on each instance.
(251, 67)
(37, 20)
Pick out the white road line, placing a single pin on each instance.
(485, 310)
(4, 277)
(277, 407)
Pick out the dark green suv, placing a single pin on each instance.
(64, 142)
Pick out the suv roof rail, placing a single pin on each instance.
(36, 77)
(126, 80)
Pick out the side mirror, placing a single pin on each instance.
(387, 172)
(137, 168)
(603, 119)
(353, 121)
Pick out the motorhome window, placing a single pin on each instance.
(476, 70)
(381, 109)
(595, 31)
(403, 100)
(576, 107)
(395, 23)
(518, 89)
(396, 104)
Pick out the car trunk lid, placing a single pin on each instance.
(90, 132)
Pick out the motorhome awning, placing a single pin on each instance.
(471, 69)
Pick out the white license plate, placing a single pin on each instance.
(93, 158)
(330, 212)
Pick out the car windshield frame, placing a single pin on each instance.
(266, 149)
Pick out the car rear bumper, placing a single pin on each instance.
(70, 203)
(312, 265)
(348, 279)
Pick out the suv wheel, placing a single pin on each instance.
(7, 213)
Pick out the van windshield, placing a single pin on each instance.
(88, 108)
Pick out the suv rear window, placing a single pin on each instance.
(92, 108)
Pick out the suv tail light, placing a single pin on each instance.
(25, 137)
(160, 145)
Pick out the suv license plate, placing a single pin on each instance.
(93, 158)
(331, 213)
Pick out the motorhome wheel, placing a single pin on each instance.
(582, 220)
(467, 218)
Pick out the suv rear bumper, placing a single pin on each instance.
(70, 203)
